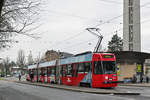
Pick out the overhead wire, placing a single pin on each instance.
(144, 21)
(76, 35)
(108, 21)
(116, 17)
(72, 15)
(80, 43)
(111, 1)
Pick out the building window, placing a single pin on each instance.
(130, 2)
(130, 15)
(130, 33)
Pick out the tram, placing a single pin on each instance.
(96, 70)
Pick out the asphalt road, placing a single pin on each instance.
(144, 91)
(17, 91)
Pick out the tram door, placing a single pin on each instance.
(69, 78)
(74, 74)
(97, 77)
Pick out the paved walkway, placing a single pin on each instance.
(23, 78)
(136, 84)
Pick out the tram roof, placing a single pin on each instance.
(75, 59)
(32, 66)
(83, 57)
(44, 64)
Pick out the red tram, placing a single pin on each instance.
(87, 69)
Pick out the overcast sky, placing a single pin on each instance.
(63, 24)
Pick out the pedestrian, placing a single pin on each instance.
(147, 79)
(141, 79)
(134, 79)
(19, 76)
(31, 76)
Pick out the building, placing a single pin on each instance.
(147, 67)
(130, 63)
(131, 26)
(53, 55)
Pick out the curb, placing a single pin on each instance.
(134, 85)
(79, 90)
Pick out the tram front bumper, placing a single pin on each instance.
(109, 82)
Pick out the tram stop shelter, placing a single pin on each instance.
(130, 63)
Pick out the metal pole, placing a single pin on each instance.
(38, 62)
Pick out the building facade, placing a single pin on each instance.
(53, 55)
(147, 67)
(131, 63)
(131, 26)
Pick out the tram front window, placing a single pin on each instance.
(109, 67)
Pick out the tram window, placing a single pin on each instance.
(45, 71)
(81, 68)
(61, 70)
(109, 67)
(53, 71)
(73, 69)
(77, 67)
(39, 71)
(69, 70)
(42, 72)
(64, 70)
(49, 71)
(34, 71)
(29, 71)
(87, 66)
(98, 68)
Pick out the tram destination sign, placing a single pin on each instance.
(108, 56)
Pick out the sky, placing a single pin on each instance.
(63, 26)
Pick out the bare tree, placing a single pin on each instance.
(17, 17)
(1, 5)
(6, 65)
(21, 60)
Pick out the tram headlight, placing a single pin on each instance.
(106, 77)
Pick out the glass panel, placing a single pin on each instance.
(109, 67)
(73, 69)
(53, 71)
(43, 72)
(77, 67)
(69, 70)
(62, 71)
(87, 66)
(49, 71)
(98, 68)
(81, 68)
